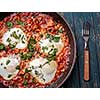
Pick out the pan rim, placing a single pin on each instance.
(74, 56)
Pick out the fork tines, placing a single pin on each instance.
(86, 29)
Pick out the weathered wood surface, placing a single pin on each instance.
(76, 21)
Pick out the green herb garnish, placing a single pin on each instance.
(34, 80)
(44, 48)
(31, 47)
(27, 70)
(15, 35)
(2, 47)
(12, 46)
(29, 55)
(56, 39)
(19, 35)
(50, 51)
(26, 56)
(25, 83)
(23, 56)
(9, 24)
(52, 55)
(9, 76)
(50, 58)
(36, 72)
(8, 61)
(40, 66)
(20, 23)
(32, 67)
(8, 40)
(32, 41)
(54, 51)
(48, 36)
(60, 30)
(23, 42)
(18, 67)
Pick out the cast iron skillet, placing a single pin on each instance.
(61, 19)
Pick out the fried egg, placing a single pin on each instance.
(44, 72)
(48, 45)
(15, 37)
(8, 66)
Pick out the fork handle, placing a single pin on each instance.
(86, 65)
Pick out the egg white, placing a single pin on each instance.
(9, 69)
(50, 45)
(43, 74)
(19, 42)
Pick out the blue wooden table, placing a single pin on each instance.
(76, 21)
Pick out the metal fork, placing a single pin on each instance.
(85, 34)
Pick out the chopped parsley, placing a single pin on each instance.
(15, 35)
(8, 61)
(44, 48)
(9, 24)
(31, 47)
(12, 46)
(25, 83)
(22, 38)
(8, 40)
(23, 42)
(27, 70)
(23, 56)
(17, 67)
(32, 41)
(52, 55)
(9, 76)
(50, 58)
(2, 47)
(40, 66)
(32, 67)
(26, 56)
(55, 50)
(29, 55)
(19, 35)
(50, 51)
(37, 73)
(56, 39)
(33, 80)
(48, 36)
(20, 23)
(60, 30)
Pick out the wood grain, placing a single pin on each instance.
(76, 79)
(86, 65)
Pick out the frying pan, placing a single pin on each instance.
(67, 72)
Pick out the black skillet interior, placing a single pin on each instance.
(59, 18)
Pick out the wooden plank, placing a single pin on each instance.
(96, 20)
(73, 80)
(94, 81)
(79, 18)
(78, 26)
